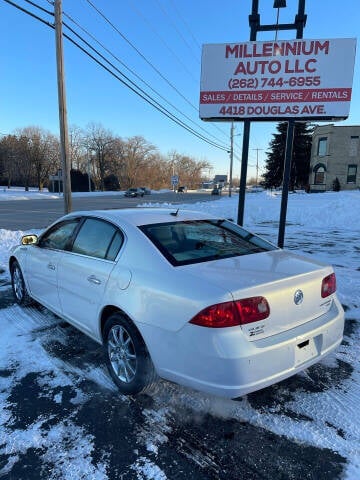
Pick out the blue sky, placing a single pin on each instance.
(169, 34)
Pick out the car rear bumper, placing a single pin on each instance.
(223, 362)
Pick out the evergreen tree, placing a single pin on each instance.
(336, 185)
(273, 176)
(111, 183)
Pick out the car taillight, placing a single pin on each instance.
(253, 309)
(328, 285)
(231, 314)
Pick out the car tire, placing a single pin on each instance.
(20, 291)
(127, 357)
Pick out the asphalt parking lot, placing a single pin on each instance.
(64, 419)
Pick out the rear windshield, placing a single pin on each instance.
(184, 243)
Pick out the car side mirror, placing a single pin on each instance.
(29, 240)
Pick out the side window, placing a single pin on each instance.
(114, 247)
(351, 174)
(354, 146)
(59, 236)
(97, 238)
(322, 147)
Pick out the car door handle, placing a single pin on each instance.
(93, 279)
(51, 266)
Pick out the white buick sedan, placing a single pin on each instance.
(182, 295)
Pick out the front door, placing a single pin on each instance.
(42, 265)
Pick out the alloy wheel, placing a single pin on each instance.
(122, 353)
(18, 283)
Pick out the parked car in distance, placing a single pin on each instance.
(146, 190)
(134, 192)
(254, 189)
(216, 191)
(227, 312)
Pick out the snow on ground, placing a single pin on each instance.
(18, 193)
(324, 226)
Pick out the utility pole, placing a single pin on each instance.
(231, 156)
(257, 162)
(64, 141)
(88, 169)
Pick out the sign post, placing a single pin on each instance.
(174, 181)
(280, 80)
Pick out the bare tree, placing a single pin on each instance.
(156, 174)
(189, 170)
(8, 164)
(77, 150)
(100, 141)
(39, 152)
(136, 156)
(28, 157)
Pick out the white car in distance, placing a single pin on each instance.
(182, 295)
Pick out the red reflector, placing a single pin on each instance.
(230, 314)
(328, 285)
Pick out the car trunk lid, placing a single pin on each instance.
(290, 283)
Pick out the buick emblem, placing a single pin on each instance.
(298, 297)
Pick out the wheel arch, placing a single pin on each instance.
(106, 312)
(12, 259)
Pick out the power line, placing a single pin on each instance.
(30, 13)
(142, 95)
(147, 61)
(186, 25)
(155, 31)
(178, 31)
(137, 76)
(40, 8)
(155, 103)
(140, 54)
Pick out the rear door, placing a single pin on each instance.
(84, 272)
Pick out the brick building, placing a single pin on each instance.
(335, 153)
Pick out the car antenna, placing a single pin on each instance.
(174, 214)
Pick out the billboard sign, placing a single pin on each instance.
(277, 80)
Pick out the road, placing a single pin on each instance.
(39, 213)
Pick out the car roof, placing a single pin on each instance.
(143, 216)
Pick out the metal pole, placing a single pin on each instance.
(285, 187)
(254, 21)
(64, 142)
(257, 163)
(300, 21)
(88, 169)
(231, 155)
(243, 174)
